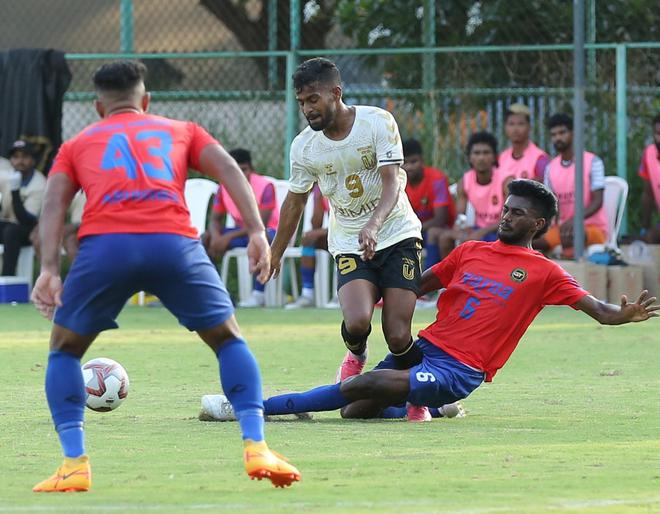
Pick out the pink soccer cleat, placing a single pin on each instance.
(350, 366)
(417, 413)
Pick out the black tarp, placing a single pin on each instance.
(32, 86)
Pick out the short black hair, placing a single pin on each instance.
(543, 199)
(560, 120)
(241, 156)
(316, 70)
(482, 137)
(656, 120)
(411, 147)
(119, 76)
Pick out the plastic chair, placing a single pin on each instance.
(198, 193)
(273, 292)
(469, 208)
(322, 280)
(25, 264)
(614, 201)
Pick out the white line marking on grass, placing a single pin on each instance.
(165, 507)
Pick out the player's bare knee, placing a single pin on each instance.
(398, 339)
(217, 336)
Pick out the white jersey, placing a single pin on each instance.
(347, 174)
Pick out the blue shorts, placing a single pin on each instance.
(439, 379)
(110, 268)
(490, 237)
(242, 241)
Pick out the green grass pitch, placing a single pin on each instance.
(572, 423)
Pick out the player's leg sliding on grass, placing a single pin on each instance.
(136, 235)
(493, 293)
(438, 381)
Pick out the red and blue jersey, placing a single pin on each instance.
(133, 168)
(431, 193)
(494, 291)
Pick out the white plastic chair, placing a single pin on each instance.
(198, 193)
(273, 291)
(25, 264)
(614, 201)
(322, 280)
(469, 208)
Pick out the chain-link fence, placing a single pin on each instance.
(445, 69)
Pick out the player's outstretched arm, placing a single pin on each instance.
(290, 214)
(609, 314)
(47, 291)
(430, 282)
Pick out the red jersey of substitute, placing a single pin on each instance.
(494, 291)
(133, 168)
(431, 193)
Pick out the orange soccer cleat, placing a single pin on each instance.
(74, 475)
(261, 462)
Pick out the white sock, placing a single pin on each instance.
(307, 292)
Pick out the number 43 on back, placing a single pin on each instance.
(158, 143)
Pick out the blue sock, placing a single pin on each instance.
(432, 255)
(435, 412)
(322, 398)
(394, 413)
(400, 413)
(65, 392)
(241, 383)
(258, 286)
(307, 273)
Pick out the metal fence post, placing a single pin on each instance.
(272, 44)
(291, 105)
(578, 127)
(126, 26)
(622, 123)
(428, 81)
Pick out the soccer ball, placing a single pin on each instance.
(106, 384)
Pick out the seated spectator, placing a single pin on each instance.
(560, 178)
(484, 187)
(22, 196)
(428, 192)
(312, 240)
(70, 242)
(219, 238)
(649, 170)
(523, 159)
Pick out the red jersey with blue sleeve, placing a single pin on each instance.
(431, 193)
(494, 291)
(133, 168)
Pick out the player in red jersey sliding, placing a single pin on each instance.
(493, 292)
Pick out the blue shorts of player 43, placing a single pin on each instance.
(110, 268)
(439, 379)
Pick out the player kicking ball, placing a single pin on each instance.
(136, 235)
(494, 292)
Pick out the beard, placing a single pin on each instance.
(560, 146)
(510, 238)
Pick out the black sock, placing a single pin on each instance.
(356, 344)
(410, 357)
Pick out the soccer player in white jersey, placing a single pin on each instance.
(354, 153)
